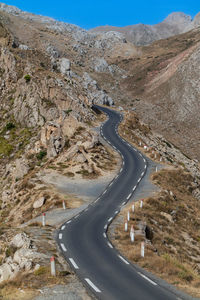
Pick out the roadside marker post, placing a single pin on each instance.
(142, 249)
(53, 266)
(141, 204)
(133, 208)
(156, 169)
(126, 226)
(43, 219)
(64, 206)
(132, 234)
(128, 216)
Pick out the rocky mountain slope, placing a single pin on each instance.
(141, 34)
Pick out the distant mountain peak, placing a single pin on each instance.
(177, 17)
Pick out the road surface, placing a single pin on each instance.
(83, 239)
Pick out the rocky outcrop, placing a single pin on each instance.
(52, 139)
(95, 94)
(24, 259)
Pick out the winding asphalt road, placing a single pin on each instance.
(83, 239)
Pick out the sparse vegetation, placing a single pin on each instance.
(173, 220)
(41, 154)
(27, 78)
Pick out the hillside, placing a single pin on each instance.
(141, 34)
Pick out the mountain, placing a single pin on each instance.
(140, 34)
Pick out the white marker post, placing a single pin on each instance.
(133, 208)
(156, 169)
(160, 158)
(155, 156)
(132, 234)
(140, 143)
(128, 216)
(64, 206)
(53, 266)
(141, 204)
(126, 226)
(43, 219)
(142, 249)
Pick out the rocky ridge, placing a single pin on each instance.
(141, 34)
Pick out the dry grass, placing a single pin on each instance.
(25, 286)
(173, 251)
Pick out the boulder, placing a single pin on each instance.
(25, 257)
(8, 270)
(64, 66)
(21, 240)
(39, 203)
(81, 158)
(52, 138)
(72, 151)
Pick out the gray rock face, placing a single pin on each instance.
(101, 65)
(25, 257)
(21, 240)
(64, 66)
(95, 95)
(106, 40)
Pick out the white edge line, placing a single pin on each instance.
(145, 277)
(63, 227)
(106, 226)
(109, 244)
(104, 235)
(60, 236)
(69, 222)
(63, 247)
(110, 219)
(92, 285)
(126, 262)
(73, 263)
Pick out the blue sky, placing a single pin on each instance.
(91, 13)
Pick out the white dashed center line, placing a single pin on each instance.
(63, 247)
(129, 196)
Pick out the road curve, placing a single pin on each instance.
(83, 239)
